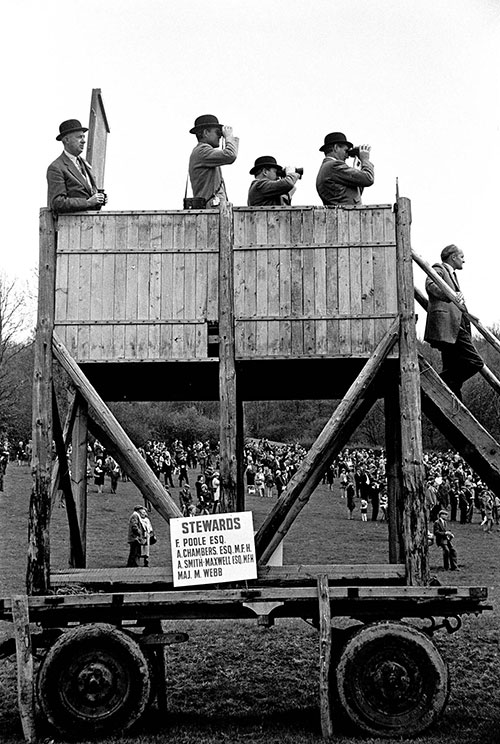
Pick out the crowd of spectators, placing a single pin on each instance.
(450, 483)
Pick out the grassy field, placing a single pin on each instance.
(235, 681)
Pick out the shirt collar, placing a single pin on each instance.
(73, 158)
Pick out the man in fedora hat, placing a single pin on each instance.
(337, 182)
(206, 159)
(268, 189)
(71, 185)
(444, 541)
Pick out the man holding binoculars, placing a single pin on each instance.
(273, 185)
(207, 158)
(337, 183)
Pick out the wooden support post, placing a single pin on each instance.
(67, 432)
(394, 475)
(37, 576)
(76, 551)
(336, 432)
(227, 365)
(325, 654)
(414, 516)
(114, 437)
(24, 656)
(79, 471)
(240, 465)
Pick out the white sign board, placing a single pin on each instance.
(213, 549)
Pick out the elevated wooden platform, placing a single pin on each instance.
(310, 283)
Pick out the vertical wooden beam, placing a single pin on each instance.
(67, 432)
(74, 533)
(24, 656)
(414, 517)
(79, 473)
(240, 465)
(37, 577)
(227, 365)
(325, 654)
(394, 475)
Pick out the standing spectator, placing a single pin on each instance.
(206, 159)
(487, 523)
(444, 540)
(351, 502)
(259, 483)
(363, 507)
(337, 182)
(250, 476)
(216, 492)
(464, 497)
(140, 536)
(182, 465)
(4, 459)
(167, 466)
(186, 501)
(374, 498)
(71, 184)
(113, 471)
(383, 506)
(99, 474)
(279, 482)
(268, 483)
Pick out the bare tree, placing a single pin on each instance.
(14, 320)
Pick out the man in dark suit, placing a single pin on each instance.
(447, 328)
(338, 183)
(444, 541)
(71, 185)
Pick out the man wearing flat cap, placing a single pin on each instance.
(447, 328)
(207, 158)
(338, 183)
(444, 540)
(269, 189)
(71, 185)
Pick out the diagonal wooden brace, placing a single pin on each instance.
(346, 417)
(124, 451)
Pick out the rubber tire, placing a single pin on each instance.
(390, 680)
(93, 680)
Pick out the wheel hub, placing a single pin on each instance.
(94, 682)
(392, 680)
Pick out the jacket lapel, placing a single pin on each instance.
(75, 171)
(451, 278)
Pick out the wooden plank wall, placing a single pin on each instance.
(308, 282)
(137, 286)
(313, 282)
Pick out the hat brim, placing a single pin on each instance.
(340, 142)
(204, 126)
(69, 131)
(254, 170)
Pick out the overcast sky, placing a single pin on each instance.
(416, 79)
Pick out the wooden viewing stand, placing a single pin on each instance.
(234, 305)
